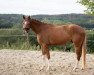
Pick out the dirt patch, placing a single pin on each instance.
(25, 62)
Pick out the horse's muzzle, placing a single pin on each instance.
(25, 32)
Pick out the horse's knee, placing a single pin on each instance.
(43, 49)
(43, 52)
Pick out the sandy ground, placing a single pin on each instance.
(25, 62)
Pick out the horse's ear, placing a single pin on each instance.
(23, 17)
(29, 17)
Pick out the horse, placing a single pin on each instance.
(49, 34)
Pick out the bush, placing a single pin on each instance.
(17, 42)
(90, 43)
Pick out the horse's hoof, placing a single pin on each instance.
(82, 68)
(42, 68)
(74, 69)
(47, 69)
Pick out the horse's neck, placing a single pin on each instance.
(36, 26)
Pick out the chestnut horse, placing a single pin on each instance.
(48, 34)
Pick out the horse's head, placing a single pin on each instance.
(26, 24)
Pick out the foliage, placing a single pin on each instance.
(17, 42)
(89, 4)
(9, 32)
(90, 41)
(10, 20)
(83, 20)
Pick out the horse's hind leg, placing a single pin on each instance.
(78, 51)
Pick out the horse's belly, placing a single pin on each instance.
(59, 38)
(58, 41)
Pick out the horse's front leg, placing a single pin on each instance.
(48, 59)
(46, 56)
(43, 57)
(44, 61)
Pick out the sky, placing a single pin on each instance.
(35, 7)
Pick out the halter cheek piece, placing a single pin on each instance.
(26, 29)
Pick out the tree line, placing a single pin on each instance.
(15, 20)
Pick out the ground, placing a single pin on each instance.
(26, 62)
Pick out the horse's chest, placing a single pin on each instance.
(42, 39)
(39, 39)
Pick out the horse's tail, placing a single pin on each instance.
(84, 53)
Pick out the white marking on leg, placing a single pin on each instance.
(44, 61)
(76, 65)
(48, 64)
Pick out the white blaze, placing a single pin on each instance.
(25, 23)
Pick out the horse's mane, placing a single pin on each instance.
(42, 23)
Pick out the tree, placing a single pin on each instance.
(89, 4)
